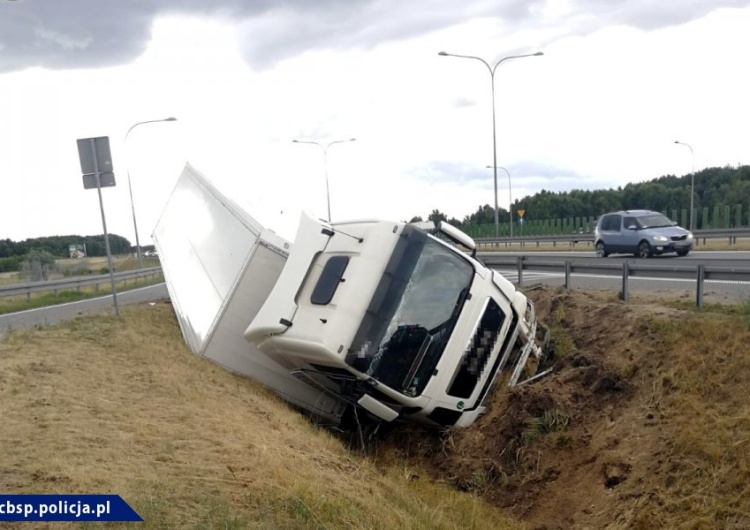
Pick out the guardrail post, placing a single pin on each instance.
(520, 271)
(625, 274)
(699, 286)
(28, 296)
(567, 274)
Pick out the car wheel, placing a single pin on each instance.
(601, 250)
(682, 252)
(644, 250)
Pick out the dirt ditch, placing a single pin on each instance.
(584, 447)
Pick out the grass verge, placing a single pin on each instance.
(12, 304)
(107, 405)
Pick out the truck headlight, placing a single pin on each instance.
(659, 238)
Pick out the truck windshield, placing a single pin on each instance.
(412, 313)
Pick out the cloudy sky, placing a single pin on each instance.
(619, 82)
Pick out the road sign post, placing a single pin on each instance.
(520, 219)
(95, 156)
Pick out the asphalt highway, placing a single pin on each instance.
(47, 316)
(715, 290)
(718, 290)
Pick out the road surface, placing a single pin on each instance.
(47, 316)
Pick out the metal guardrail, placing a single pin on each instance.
(731, 234)
(625, 270)
(74, 283)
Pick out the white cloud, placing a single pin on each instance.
(602, 107)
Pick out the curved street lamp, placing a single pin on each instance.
(494, 136)
(130, 187)
(692, 181)
(510, 198)
(325, 164)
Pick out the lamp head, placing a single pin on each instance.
(444, 54)
(537, 54)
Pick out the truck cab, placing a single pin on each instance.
(396, 321)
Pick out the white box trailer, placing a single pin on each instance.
(373, 315)
(220, 265)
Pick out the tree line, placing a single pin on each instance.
(714, 187)
(14, 253)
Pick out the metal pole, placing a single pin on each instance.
(104, 226)
(130, 188)
(135, 224)
(692, 183)
(520, 271)
(494, 155)
(492, 71)
(325, 165)
(510, 202)
(328, 188)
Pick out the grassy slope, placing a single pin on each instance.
(102, 405)
(645, 422)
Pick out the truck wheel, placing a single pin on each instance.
(644, 250)
(601, 250)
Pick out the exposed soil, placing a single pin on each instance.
(579, 448)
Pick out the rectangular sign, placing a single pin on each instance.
(76, 508)
(107, 180)
(99, 147)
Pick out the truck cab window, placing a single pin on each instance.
(412, 313)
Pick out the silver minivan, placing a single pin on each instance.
(640, 232)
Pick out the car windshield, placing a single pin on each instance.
(412, 313)
(656, 220)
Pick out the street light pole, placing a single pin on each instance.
(130, 187)
(494, 134)
(325, 164)
(510, 199)
(692, 181)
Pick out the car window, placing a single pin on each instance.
(630, 221)
(611, 222)
(655, 220)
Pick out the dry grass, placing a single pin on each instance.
(644, 422)
(9, 278)
(102, 405)
(703, 396)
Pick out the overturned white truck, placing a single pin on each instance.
(378, 316)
